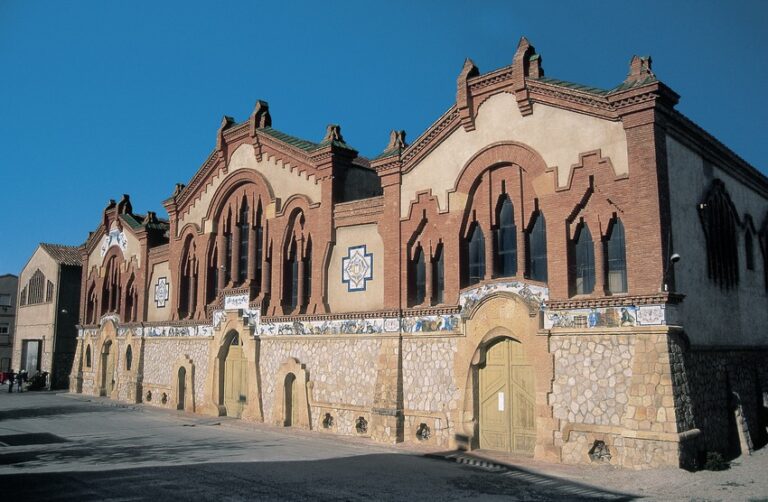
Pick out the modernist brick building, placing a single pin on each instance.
(510, 280)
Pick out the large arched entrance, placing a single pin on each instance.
(107, 369)
(235, 377)
(507, 399)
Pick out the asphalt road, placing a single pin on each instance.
(59, 447)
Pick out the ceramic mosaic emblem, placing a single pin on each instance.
(161, 292)
(357, 268)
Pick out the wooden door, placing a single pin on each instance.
(235, 380)
(108, 369)
(507, 400)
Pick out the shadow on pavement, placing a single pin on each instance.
(49, 411)
(366, 477)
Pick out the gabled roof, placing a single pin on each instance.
(63, 255)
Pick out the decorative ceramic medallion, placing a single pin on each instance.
(161, 292)
(357, 268)
(113, 238)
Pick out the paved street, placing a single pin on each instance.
(62, 447)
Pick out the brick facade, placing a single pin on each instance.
(308, 249)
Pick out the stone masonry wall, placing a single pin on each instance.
(592, 377)
(430, 393)
(729, 394)
(160, 354)
(341, 372)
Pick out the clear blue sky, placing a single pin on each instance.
(100, 98)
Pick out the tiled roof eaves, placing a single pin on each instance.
(302, 144)
(573, 85)
(65, 255)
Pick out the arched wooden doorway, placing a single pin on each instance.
(507, 399)
(235, 378)
(290, 397)
(181, 388)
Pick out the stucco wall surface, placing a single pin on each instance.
(340, 299)
(155, 313)
(710, 315)
(558, 135)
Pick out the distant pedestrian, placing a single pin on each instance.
(19, 378)
(11, 376)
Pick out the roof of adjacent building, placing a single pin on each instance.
(64, 255)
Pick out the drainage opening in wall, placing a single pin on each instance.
(600, 452)
(327, 421)
(423, 432)
(361, 425)
(148, 397)
(164, 398)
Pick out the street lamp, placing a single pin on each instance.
(672, 260)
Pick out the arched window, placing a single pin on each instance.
(90, 308)
(476, 255)
(291, 278)
(506, 239)
(227, 250)
(88, 356)
(259, 248)
(307, 274)
(130, 300)
(615, 258)
(242, 269)
(128, 358)
(749, 250)
(417, 278)
(438, 276)
(188, 283)
(719, 221)
(212, 276)
(36, 288)
(536, 249)
(584, 256)
(110, 298)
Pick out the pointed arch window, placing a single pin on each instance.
(307, 274)
(476, 255)
(584, 257)
(128, 358)
(259, 248)
(417, 277)
(506, 239)
(616, 258)
(438, 276)
(111, 290)
(242, 269)
(212, 275)
(536, 248)
(131, 300)
(36, 288)
(88, 356)
(719, 221)
(188, 283)
(291, 278)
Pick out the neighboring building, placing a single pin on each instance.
(509, 281)
(49, 303)
(8, 284)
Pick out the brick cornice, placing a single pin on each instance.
(432, 137)
(613, 301)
